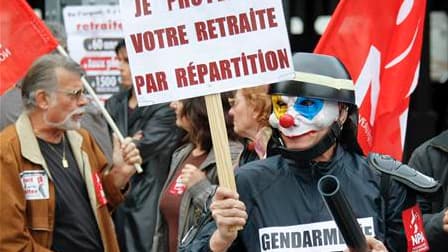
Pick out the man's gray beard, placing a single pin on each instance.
(68, 123)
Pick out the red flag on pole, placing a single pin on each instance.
(23, 38)
(379, 41)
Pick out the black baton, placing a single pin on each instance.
(342, 213)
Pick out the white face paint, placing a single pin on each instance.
(295, 116)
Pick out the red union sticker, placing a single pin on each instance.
(413, 228)
(177, 187)
(100, 195)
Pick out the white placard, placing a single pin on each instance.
(92, 34)
(187, 48)
(319, 237)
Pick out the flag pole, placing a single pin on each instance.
(106, 115)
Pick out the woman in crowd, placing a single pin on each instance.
(192, 177)
(250, 110)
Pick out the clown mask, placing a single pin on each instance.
(296, 116)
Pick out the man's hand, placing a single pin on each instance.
(125, 156)
(191, 175)
(228, 213)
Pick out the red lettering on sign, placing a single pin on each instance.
(142, 7)
(159, 38)
(245, 22)
(183, 4)
(245, 64)
(152, 82)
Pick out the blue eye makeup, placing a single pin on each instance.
(308, 107)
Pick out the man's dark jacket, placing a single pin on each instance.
(135, 219)
(431, 158)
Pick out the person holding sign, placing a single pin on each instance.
(193, 176)
(278, 203)
(56, 185)
(154, 131)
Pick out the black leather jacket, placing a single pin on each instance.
(431, 158)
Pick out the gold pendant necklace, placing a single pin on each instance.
(63, 158)
(64, 162)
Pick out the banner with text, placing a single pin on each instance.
(183, 49)
(92, 34)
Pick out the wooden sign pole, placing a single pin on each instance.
(220, 141)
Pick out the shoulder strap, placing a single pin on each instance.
(384, 192)
(384, 185)
(403, 173)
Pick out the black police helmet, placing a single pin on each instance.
(317, 76)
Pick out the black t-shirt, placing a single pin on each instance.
(75, 227)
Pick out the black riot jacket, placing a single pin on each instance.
(279, 192)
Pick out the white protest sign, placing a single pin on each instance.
(185, 48)
(92, 34)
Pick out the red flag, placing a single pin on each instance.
(23, 38)
(379, 41)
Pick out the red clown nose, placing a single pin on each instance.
(286, 121)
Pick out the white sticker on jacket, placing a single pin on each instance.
(318, 236)
(35, 184)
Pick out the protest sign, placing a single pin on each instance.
(183, 49)
(92, 34)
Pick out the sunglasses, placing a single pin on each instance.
(75, 93)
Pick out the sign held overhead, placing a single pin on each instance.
(180, 49)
